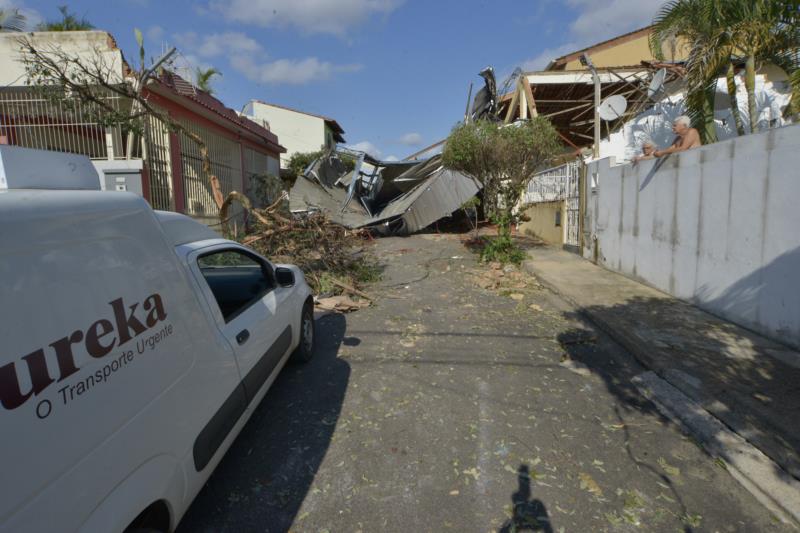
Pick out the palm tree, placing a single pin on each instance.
(722, 33)
(69, 22)
(764, 30)
(11, 20)
(699, 24)
(203, 78)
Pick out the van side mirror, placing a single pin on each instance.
(284, 276)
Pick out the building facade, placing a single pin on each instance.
(158, 162)
(300, 132)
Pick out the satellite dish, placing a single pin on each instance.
(657, 83)
(613, 107)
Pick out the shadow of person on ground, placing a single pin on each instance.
(262, 481)
(529, 514)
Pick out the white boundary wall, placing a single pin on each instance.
(718, 226)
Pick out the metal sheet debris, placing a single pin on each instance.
(392, 197)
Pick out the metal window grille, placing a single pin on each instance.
(159, 164)
(30, 119)
(226, 165)
(255, 164)
(558, 183)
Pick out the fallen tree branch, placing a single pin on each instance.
(352, 290)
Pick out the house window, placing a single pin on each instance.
(558, 218)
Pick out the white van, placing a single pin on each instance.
(135, 346)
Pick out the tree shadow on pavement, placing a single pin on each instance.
(581, 345)
(262, 481)
(723, 368)
(529, 514)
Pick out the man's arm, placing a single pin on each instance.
(681, 144)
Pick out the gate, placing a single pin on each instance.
(561, 183)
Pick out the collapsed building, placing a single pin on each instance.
(391, 197)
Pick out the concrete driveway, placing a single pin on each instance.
(450, 406)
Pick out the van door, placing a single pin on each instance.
(241, 290)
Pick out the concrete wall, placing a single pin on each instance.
(718, 226)
(542, 221)
(93, 47)
(297, 132)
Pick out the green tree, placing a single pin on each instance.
(203, 78)
(720, 34)
(764, 30)
(69, 22)
(11, 20)
(699, 24)
(504, 159)
(300, 161)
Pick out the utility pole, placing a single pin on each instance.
(587, 62)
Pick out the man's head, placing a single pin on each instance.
(648, 148)
(681, 125)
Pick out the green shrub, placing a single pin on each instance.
(502, 249)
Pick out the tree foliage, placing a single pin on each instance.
(721, 34)
(68, 78)
(503, 158)
(203, 78)
(69, 22)
(300, 161)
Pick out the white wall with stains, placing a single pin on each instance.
(718, 226)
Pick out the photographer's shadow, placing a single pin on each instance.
(529, 514)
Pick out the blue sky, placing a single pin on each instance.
(394, 73)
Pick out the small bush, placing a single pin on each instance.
(503, 250)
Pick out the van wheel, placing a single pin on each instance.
(305, 350)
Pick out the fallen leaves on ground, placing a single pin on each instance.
(589, 484)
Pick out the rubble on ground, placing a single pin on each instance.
(333, 259)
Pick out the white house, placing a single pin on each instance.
(298, 131)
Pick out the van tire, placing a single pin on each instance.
(305, 348)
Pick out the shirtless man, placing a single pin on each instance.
(686, 137)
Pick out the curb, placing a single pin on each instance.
(776, 490)
(767, 481)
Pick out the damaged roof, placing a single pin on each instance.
(566, 97)
(399, 198)
(175, 85)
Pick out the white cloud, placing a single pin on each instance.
(366, 146)
(597, 21)
(248, 57)
(411, 139)
(288, 71)
(541, 61)
(32, 17)
(154, 33)
(217, 44)
(334, 17)
(392, 158)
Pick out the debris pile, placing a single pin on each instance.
(333, 259)
(389, 197)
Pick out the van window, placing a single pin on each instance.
(236, 279)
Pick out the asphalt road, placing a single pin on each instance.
(458, 405)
